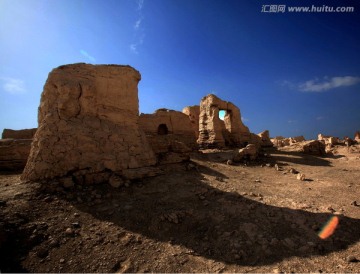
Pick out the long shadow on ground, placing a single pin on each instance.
(184, 209)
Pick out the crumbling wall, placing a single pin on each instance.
(193, 112)
(214, 132)
(265, 139)
(18, 134)
(14, 154)
(328, 139)
(88, 123)
(170, 135)
(357, 136)
(280, 141)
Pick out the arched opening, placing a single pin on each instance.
(222, 114)
(162, 129)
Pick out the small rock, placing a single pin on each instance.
(229, 162)
(268, 165)
(352, 259)
(76, 224)
(62, 261)
(293, 171)
(354, 203)
(277, 167)
(257, 181)
(47, 199)
(300, 177)
(76, 214)
(69, 231)
(219, 179)
(116, 181)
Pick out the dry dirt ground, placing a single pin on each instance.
(202, 216)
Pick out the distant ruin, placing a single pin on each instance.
(214, 132)
(90, 128)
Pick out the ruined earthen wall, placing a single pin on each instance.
(165, 126)
(216, 133)
(193, 112)
(14, 154)
(18, 134)
(88, 122)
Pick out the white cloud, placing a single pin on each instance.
(286, 83)
(140, 4)
(243, 119)
(133, 48)
(137, 23)
(139, 32)
(87, 55)
(319, 118)
(292, 121)
(13, 85)
(335, 82)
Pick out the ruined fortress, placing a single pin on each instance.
(89, 129)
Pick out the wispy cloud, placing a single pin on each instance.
(13, 85)
(319, 118)
(138, 23)
(292, 121)
(243, 119)
(139, 32)
(317, 85)
(140, 4)
(88, 56)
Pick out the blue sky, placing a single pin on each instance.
(290, 73)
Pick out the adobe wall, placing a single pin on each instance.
(214, 132)
(165, 126)
(193, 112)
(18, 134)
(88, 123)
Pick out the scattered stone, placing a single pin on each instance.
(301, 177)
(69, 231)
(116, 181)
(352, 259)
(268, 165)
(76, 224)
(250, 152)
(293, 171)
(257, 181)
(62, 261)
(277, 167)
(354, 203)
(76, 214)
(48, 199)
(220, 179)
(229, 162)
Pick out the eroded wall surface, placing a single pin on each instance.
(214, 132)
(88, 122)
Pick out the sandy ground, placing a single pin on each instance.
(202, 216)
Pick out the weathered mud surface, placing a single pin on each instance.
(205, 216)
